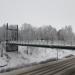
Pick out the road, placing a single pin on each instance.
(60, 67)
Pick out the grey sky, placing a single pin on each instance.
(57, 13)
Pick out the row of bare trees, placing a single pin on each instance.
(28, 32)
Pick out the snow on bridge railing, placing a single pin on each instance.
(61, 43)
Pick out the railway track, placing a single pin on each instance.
(60, 67)
(52, 69)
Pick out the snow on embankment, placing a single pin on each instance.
(3, 62)
(14, 60)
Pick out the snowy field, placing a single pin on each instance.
(13, 60)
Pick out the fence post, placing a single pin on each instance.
(57, 54)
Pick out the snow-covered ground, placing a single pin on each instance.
(15, 60)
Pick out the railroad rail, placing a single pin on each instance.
(61, 67)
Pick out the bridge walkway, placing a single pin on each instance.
(57, 46)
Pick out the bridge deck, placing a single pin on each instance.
(21, 43)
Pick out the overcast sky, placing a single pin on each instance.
(57, 13)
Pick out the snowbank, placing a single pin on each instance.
(36, 55)
(3, 62)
